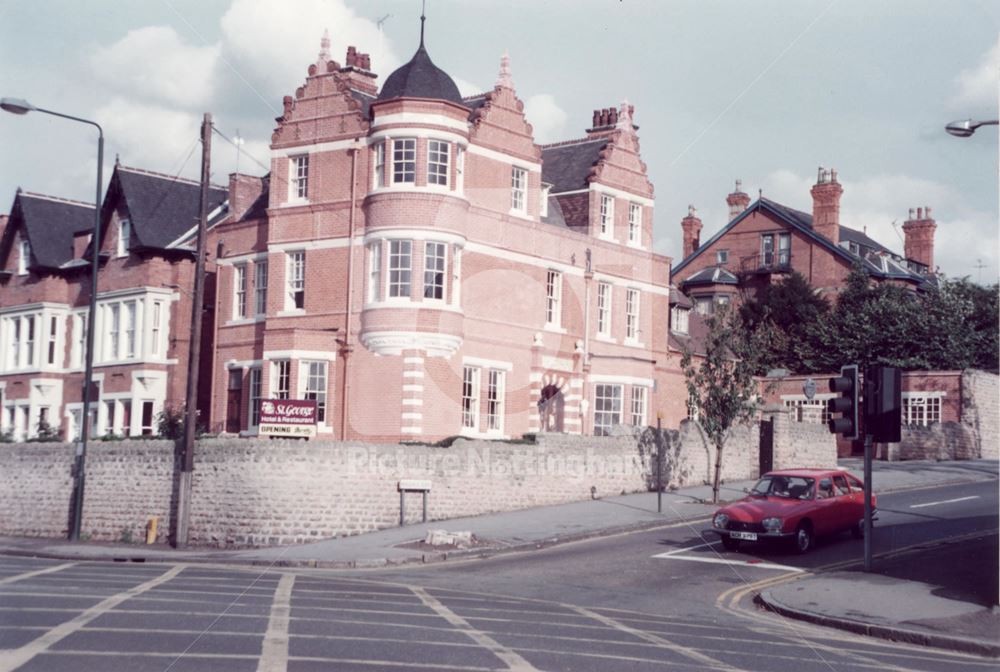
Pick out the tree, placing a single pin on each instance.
(721, 383)
(786, 308)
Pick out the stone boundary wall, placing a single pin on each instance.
(980, 404)
(940, 441)
(248, 492)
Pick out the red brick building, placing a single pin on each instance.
(765, 241)
(417, 264)
(143, 306)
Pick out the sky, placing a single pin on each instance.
(764, 91)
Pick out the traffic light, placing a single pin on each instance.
(883, 404)
(846, 404)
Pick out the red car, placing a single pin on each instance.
(796, 505)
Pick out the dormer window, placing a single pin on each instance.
(23, 257)
(679, 319)
(404, 161)
(298, 177)
(124, 237)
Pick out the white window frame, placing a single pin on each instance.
(375, 272)
(607, 407)
(400, 267)
(281, 379)
(295, 280)
(607, 228)
(605, 292)
(124, 237)
(435, 265)
(438, 163)
(378, 160)
(633, 299)
(260, 287)
(255, 395)
(314, 380)
(640, 406)
(680, 319)
(23, 257)
(404, 161)
(239, 291)
(553, 298)
(79, 338)
(518, 190)
(298, 178)
(496, 391)
(155, 328)
(129, 319)
(922, 409)
(635, 224)
(52, 346)
(470, 397)
(722, 256)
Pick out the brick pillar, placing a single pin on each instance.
(535, 386)
(826, 205)
(412, 414)
(918, 242)
(692, 231)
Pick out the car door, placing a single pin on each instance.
(846, 508)
(825, 516)
(857, 499)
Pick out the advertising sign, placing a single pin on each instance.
(290, 418)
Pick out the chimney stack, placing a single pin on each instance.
(692, 232)
(737, 201)
(826, 205)
(918, 237)
(243, 191)
(357, 71)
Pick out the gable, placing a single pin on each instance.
(328, 96)
(499, 123)
(49, 225)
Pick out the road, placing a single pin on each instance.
(664, 599)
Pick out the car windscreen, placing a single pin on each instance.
(786, 487)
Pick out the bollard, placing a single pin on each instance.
(151, 530)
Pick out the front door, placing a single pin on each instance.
(550, 408)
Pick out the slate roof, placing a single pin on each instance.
(420, 78)
(161, 208)
(695, 338)
(871, 254)
(566, 166)
(555, 216)
(679, 298)
(50, 224)
(713, 275)
(364, 100)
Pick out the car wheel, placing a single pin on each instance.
(730, 544)
(803, 538)
(858, 531)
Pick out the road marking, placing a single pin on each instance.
(685, 651)
(945, 501)
(17, 657)
(675, 555)
(28, 575)
(274, 652)
(513, 660)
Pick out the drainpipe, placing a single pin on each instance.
(347, 346)
(588, 277)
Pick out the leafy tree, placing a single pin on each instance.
(722, 382)
(786, 309)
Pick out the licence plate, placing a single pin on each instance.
(746, 536)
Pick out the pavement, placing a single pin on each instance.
(880, 604)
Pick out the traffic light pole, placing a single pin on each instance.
(868, 502)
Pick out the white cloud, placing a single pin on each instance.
(466, 88)
(152, 137)
(546, 117)
(154, 62)
(977, 87)
(269, 45)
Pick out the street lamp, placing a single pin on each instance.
(21, 106)
(966, 127)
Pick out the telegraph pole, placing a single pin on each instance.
(194, 352)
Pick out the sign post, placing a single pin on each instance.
(288, 418)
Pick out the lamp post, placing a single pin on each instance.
(20, 106)
(966, 127)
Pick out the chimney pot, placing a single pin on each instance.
(833, 174)
(920, 213)
(597, 119)
(819, 175)
(927, 211)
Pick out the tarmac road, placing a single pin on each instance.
(641, 601)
